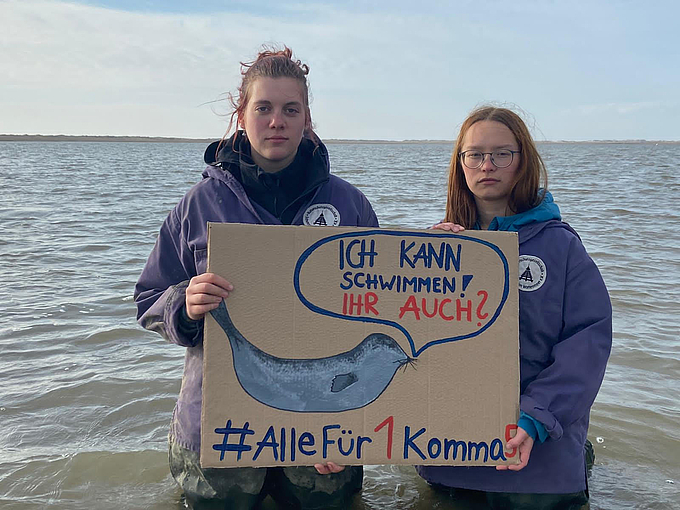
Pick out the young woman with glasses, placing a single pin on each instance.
(497, 181)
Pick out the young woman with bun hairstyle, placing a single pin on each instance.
(497, 181)
(272, 170)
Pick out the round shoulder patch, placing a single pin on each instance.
(321, 215)
(532, 273)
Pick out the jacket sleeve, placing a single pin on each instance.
(565, 390)
(161, 289)
(368, 216)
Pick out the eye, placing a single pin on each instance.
(292, 110)
(502, 154)
(473, 155)
(261, 108)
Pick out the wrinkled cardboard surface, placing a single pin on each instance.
(454, 366)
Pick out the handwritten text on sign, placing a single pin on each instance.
(436, 281)
(280, 444)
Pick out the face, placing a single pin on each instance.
(274, 120)
(489, 183)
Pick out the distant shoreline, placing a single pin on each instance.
(161, 139)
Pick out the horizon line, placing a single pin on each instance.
(179, 139)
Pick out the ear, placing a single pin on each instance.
(240, 121)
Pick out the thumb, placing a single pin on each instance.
(519, 438)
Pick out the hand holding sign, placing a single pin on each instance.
(204, 293)
(451, 227)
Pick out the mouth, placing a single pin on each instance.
(277, 139)
(487, 181)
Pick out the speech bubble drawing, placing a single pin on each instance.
(485, 262)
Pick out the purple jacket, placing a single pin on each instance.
(180, 254)
(565, 328)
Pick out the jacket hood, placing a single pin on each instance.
(545, 211)
(229, 152)
(230, 161)
(236, 151)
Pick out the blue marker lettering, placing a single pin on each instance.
(478, 447)
(434, 447)
(497, 446)
(453, 445)
(268, 441)
(326, 440)
(360, 441)
(306, 439)
(351, 444)
(387, 285)
(408, 442)
(347, 276)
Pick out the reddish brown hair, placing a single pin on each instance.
(531, 174)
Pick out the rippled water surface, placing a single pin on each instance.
(86, 395)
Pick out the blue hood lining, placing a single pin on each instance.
(545, 211)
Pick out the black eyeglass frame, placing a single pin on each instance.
(512, 157)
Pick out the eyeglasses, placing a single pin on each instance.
(500, 158)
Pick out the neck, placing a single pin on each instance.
(487, 211)
(268, 165)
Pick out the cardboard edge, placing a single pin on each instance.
(201, 455)
(205, 452)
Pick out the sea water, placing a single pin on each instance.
(86, 395)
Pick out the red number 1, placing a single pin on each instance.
(389, 421)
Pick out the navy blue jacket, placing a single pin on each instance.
(180, 253)
(565, 337)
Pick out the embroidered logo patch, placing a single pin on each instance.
(321, 215)
(532, 273)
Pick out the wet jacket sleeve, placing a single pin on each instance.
(161, 289)
(565, 390)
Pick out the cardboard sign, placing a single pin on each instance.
(361, 346)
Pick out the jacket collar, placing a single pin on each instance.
(545, 211)
(234, 156)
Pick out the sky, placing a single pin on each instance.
(397, 70)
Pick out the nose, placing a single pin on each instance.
(277, 120)
(487, 164)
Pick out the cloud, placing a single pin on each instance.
(58, 55)
(392, 72)
(70, 45)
